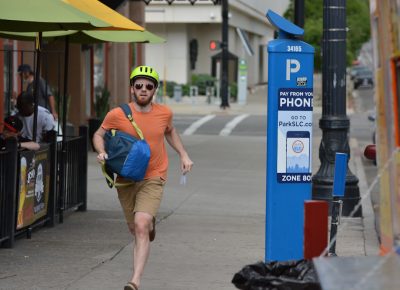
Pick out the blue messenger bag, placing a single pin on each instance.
(128, 156)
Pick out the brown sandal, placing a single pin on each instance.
(131, 286)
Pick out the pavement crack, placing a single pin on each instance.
(112, 257)
(8, 276)
(178, 206)
(97, 266)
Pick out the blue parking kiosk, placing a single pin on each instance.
(289, 140)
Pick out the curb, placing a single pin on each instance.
(371, 243)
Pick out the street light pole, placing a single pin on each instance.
(224, 57)
(299, 13)
(334, 122)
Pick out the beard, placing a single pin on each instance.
(142, 103)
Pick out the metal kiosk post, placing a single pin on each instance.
(289, 140)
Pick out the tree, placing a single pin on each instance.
(357, 12)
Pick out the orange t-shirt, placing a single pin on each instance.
(154, 125)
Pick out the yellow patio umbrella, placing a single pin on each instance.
(103, 12)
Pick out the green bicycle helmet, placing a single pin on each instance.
(144, 71)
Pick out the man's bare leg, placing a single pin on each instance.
(141, 249)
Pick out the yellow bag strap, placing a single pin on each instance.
(138, 131)
(111, 180)
(128, 113)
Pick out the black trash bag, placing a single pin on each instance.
(288, 275)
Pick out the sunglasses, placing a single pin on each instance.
(149, 87)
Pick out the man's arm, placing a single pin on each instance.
(46, 91)
(98, 143)
(30, 145)
(174, 140)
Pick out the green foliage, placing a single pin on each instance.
(169, 89)
(202, 81)
(199, 80)
(101, 104)
(185, 90)
(358, 22)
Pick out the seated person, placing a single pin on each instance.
(45, 120)
(12, 129)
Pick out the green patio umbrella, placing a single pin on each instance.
(44, 15)
(116, 36)
(86, 37)
(90, 36)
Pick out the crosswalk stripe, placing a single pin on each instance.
(232, 124)
(196, 125)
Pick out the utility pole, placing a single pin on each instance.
(334, 122)
(224, 57)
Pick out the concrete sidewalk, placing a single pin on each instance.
(207, 230)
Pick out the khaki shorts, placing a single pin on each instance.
(142, 196)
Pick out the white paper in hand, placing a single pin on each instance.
(183, 179)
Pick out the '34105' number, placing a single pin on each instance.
(294, 48)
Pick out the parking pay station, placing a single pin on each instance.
(289, 133)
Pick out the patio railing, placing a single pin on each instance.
(8, 188)
(73, 176)
(60, 184)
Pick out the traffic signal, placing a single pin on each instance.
(215, 44)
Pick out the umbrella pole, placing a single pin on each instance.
(64, 131)
(65, 97)
(38, 44)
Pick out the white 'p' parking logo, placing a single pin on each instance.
(292, 66)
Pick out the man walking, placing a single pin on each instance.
(141, 200)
